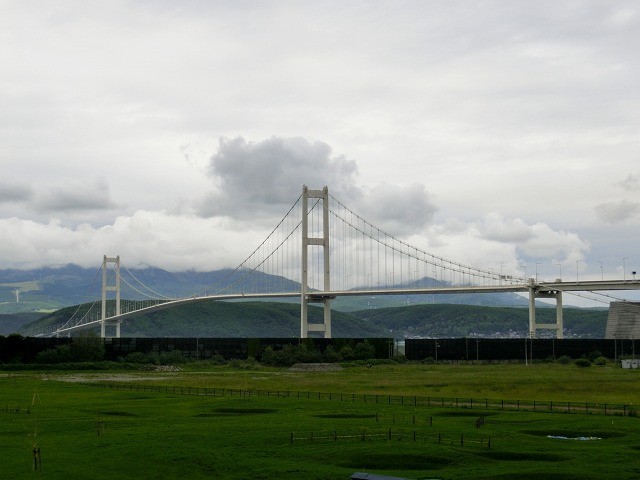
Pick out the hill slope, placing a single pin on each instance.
(273, 319)
(228, 319)
(53, 288)
(12, 322)
(431, 320)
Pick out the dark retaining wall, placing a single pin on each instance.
(18, 349)
(469, 349)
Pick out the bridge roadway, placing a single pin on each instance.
(539, 287)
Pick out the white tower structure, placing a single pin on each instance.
(307, 241)
(110, 288)
(533, 325)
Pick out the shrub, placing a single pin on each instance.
(564, 360)
(87, 347)
(364, 351)
(593, 355)
(136, 357)
(173, 357)
(347, 353)
(600, 361)
(331, 356)
(399, 359)
(582, 363)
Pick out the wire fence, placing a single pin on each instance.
(481, 404)
(363, 435)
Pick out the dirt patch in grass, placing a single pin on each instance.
(92, 377)
(398, 461)
(315, 367)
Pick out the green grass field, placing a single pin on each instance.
(85, 431)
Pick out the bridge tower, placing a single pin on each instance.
(323, 241)
(110, 288)
(536, 293)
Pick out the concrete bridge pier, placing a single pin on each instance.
(535, 292)
(110, 288)
(305, 327)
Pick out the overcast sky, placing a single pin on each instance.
(176, 134)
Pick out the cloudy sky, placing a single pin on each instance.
(177, 133)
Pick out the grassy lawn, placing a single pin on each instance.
(89, 432)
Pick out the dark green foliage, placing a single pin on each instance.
(439, 320)
(306, 353)
(226, 319)
(563, 360)
(363, 351)
(582, 362)
(600, 361)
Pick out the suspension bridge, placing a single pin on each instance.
(319, 251)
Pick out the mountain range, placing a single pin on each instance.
(50, 295)
(48, 289)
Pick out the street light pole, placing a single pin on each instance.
(601, 270)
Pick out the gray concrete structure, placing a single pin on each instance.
(623, 320)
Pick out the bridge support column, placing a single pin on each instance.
(110, 288)
(533, 325)
(305, 326)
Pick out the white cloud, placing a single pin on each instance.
(256, 177)
(631, 183)
(144, 239)
(617, 211)
(75, 196)
(423, 119)
(11, 191)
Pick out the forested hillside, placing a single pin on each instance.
(228, 319)
(433, 320)
(274, 319)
